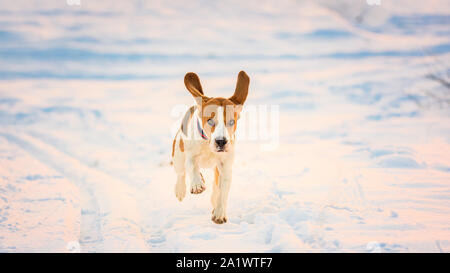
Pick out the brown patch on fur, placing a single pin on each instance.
(219, 102)
(201, 175)
(193, 85)
(213, 114)
(181, 145)
(192, 82)
(241, 91)
(216, 176)
(173, 146)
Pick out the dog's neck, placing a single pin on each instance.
(200, 130)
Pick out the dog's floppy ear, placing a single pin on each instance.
(240, 94)
(193, 85)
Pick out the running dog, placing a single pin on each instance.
(206, 140)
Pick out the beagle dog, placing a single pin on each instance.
(206, 140)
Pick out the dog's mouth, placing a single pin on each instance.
(220, 150)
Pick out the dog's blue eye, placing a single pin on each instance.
(211, 122)
(231, 122)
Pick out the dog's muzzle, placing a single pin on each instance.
(220, 144)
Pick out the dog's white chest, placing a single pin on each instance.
(207, 159)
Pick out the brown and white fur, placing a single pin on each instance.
(206, 140)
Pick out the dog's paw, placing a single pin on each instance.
(218, 217)
(180, 191)
(199, 186)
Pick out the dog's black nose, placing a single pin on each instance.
(221, 142)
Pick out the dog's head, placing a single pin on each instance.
(218, 116)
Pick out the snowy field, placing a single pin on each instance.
(89, 97)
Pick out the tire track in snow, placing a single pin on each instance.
(109, 216)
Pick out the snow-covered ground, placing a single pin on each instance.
(89, 96)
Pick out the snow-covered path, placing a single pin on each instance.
(89, 97)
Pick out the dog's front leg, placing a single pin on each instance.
(197, 182)
(220, 194)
